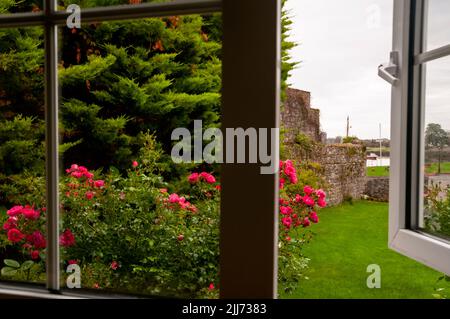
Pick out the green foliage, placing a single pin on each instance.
(442, 289)
(437, 209)
(305, 142)
(26, 271)
(287, 65)
(349, 139)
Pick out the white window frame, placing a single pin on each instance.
(406, 179)
(250, 98)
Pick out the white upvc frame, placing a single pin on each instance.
(251, 85)
(407, 124)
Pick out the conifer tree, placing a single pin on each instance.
(118, 80)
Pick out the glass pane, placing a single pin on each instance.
(63, 4)
(22, 155)
(17, 6)
(437, 29)
(132, 219)
(436, 217)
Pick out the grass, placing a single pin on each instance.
(377, 171)
(376, 150)
(430, 169)
(433, 168)
(348, 239)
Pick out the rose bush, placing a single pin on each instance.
(298, 211)
(132, 232)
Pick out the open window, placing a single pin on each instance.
(250, 85)
(419, 72)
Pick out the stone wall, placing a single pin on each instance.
(344, 167)
(377, 188)
(297, 116)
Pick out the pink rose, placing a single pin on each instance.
(306, 222)
(16, 210)
(320, 193)
(174, 198)
(135, 164)
(114, 265)
(82, 169)
(298, 198)
(77, 174)
(15, 235)
(293, 178)
(89, 195)
(99, 183)
(193, 178)
(308, 200)
(29, 213)
(285, 210)
(282, 181)
(308, 190)
(211, 286)
(313, 217)
(35, 254)
(287, 221)
(67, 239)
(88, 175)
(38, 240)
(321, 202)
(208, 177)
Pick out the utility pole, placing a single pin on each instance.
(381, 152)
(348, 126)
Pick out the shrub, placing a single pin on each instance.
(437, 208)
(298, 210)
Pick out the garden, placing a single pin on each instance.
(131, 219)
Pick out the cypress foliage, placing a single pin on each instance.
(118, 80)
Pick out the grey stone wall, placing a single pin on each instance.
(377, 188)
(343, 165)
(297, 116)
(344, 169)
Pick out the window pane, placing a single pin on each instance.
(436, 217)
(103, 3)
(22, 155)
(17, 6)
(438, 30)
(132, 221)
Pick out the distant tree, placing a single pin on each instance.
(436, 137)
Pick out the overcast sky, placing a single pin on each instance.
(341, 44)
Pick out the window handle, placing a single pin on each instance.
(389, 72)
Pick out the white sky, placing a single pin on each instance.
(341, 44)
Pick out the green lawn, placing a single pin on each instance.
(430, 169)
(433, 168)
(378, 171)
(348, 239)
